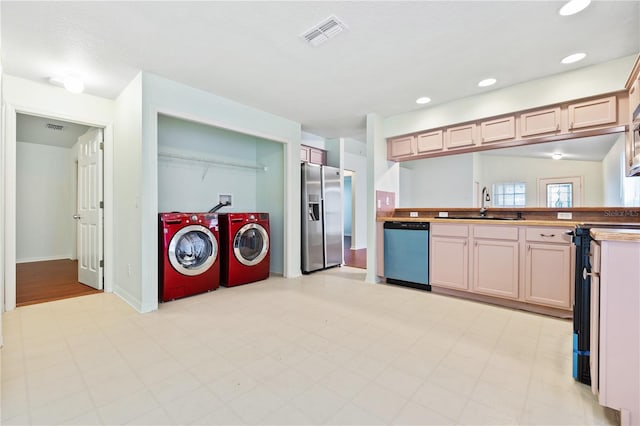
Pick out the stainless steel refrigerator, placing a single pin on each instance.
(322, 236)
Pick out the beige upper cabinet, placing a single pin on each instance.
(400, 147)
(559, 121)
(540, 122)
(596, 112)
(461, 136)
(500, 129)
(431, 141)
(313, 155)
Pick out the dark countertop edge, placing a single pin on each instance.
(530, 222)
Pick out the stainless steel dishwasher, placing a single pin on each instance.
(406, 254)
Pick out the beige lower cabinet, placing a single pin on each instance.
(496, 261)
(488, 260)
(449, 256)
(547, 272)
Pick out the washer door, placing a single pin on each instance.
(251, 244)
(193, 250)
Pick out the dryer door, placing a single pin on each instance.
(193, 250)
(251, 244)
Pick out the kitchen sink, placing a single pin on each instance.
(480, 218)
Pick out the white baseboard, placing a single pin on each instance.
(43, 259)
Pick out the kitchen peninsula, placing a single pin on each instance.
(521, 258)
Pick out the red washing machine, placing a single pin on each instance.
(188, 262)
(244, 248)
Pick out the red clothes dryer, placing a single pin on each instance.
(244, 248)
(188, 262)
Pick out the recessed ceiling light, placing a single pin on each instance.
(574, 6)
(423, 100)
(487, 82)
(574, 58)
(556, 155)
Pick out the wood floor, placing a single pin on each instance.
(38, 282)
(354, 258)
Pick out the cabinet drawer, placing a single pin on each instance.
(449, 230)
(548, 235)
(497, 232)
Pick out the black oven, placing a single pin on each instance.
(634, 152)
(581, 307)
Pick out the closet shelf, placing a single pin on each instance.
(209, 161)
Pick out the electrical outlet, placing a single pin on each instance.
(225, 198)
(443, 214)
(413, 214)
(565, 215)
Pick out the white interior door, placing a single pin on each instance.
(89, 213)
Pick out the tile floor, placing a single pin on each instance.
(322, 349)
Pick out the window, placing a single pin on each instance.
(509, 194)
(560, 192)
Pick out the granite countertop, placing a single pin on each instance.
(615, 234)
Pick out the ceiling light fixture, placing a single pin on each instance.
(556, 155)
(423, 100)
(574, 6)
(72, 84)
(573, 58)
(487, 82)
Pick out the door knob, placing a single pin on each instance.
(75, 216)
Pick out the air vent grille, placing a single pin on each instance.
(323, 31)
(55, 126)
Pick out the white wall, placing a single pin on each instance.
(355, 159)
(588, 81)
(162, 96)
(24, 96)
(422, 183)
(44, 199)
(128, 193)
(270, 197)
(508, 169)
(191, 186)
(612, 173)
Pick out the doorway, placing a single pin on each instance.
(356, 258)
(47, 243)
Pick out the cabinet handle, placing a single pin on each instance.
(571, 125)
(528, 247)
(465, 243)
(586, 274)
(547, 235)
(558, 127)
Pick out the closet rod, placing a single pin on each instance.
(210, 161)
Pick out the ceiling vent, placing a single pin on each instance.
(54, 126)
(323, 31)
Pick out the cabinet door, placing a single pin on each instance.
(495, 268)
(461, 136)
(498, 130)
(317, 156)
(548, 274)
(304, 154)
(400, 147)
(540, 122)
(432, 141)
(593, 113)
(449, 262)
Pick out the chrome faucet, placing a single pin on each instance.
(485, 197)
